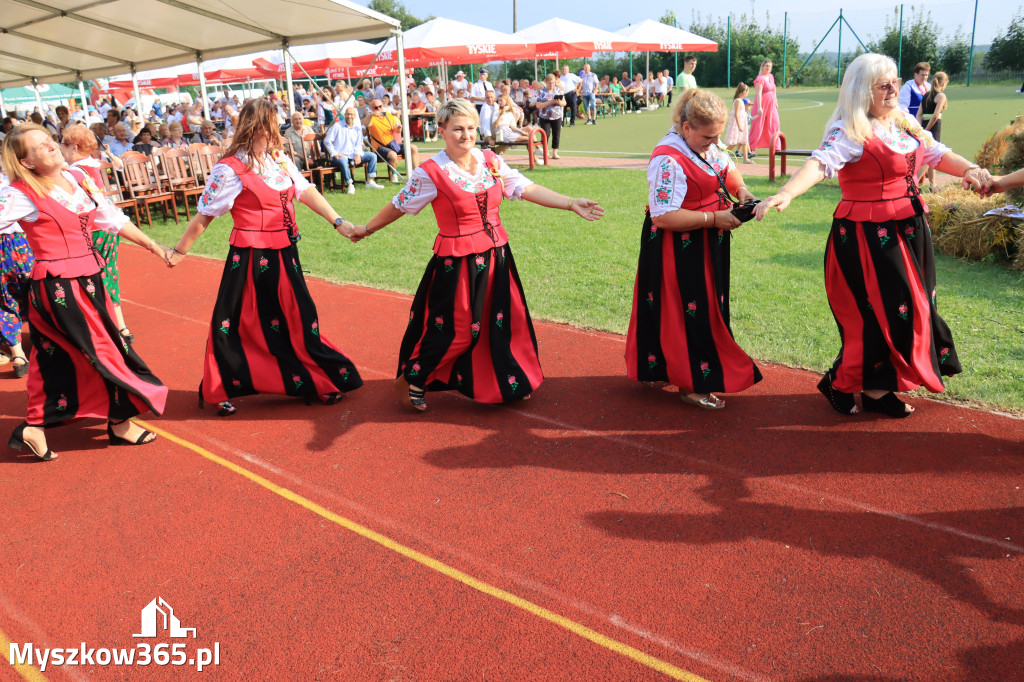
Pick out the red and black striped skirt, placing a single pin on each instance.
(470, 330)
(679, 330)
(265, 333)
(880, 281)
(80, 365)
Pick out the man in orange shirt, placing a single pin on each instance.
(382, 128)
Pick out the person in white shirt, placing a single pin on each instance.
(488, 113)
(570, 86)
(671, 84)
(344, 144)
(660, 88)
(478, 91)
(588, 88)
(460, 83)
(914, 91)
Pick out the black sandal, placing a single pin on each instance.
(20, 368)
(888, 404)
(332, 398)
(18, 440)
(843, 403)
(126, 335)
(143, 439)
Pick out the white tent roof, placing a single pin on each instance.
(655, 36)
(58, 41)
(453, 41)
(568, 38)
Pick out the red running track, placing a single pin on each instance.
(601, 531)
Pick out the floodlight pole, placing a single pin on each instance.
(899, 50)
(970, 61)
(728, 52)
(839, 53)
(676, 23)
(785, 44)
(514, 26)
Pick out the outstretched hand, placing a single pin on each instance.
(777, 201)
(587, 209)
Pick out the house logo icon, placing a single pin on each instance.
(159, 616)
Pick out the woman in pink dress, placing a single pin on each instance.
(766, 109)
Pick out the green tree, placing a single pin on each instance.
(1007, 51)
(955, 55)
(920, 40)
(753, 41)
(396, 10)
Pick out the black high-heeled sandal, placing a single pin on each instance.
(843, 403)
(17, 441)
(888, 404)
(143, 439)
(20, 368)
(332, 398)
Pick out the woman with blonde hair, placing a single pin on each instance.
(929, 116)
(80, 366)
(176, 139)
(679, 329)
(265, 333)
(505, 128)
(879, 263)
(469, 328)
(79, 147)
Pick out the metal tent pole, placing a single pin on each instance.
(81, 95)
(970, 61)
(288, 77)
(400, 40)
(202, 86)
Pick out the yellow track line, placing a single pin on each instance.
(442, 568)
(29, 672)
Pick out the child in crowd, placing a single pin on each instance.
(737, 129)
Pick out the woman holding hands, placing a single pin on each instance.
(469, 328)
(265, 334)
(879, 264)
(679, 330)
(80, 365)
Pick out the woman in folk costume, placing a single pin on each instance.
(79, 147)
(679, 331)
(80, 365)
(879, 264)
(265, 332)
(16, 262)
(469, 328)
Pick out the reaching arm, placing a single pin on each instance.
(319, 205)
(133, 234)
(811, 173)
(584, 208)
(384, 217)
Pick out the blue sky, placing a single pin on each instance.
(809, 19)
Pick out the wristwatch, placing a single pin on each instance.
(338, 222)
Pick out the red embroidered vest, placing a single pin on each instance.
(61, 240)
(881, 185)
(703, 191)
(264, 217)
(468, 222)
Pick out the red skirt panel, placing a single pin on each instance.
(679, 329)
(80, 366)
(880, 281)
(265, 333)
(470, 330)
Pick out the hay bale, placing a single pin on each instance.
(961, 229)
(998, 144)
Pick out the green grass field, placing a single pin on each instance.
(974, 114)
(582, 273)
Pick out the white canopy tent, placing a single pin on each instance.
(654, 36)
(59, 41)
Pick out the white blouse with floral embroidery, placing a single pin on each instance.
(837, 149)
(16, 208)
(223, 185)
(666, 179)
(420, 190)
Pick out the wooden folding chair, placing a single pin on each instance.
(314, 160)
(208, 158)
(113, 190)
(157, 159)
(182, 177)
(144, 189)
(290, 148)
